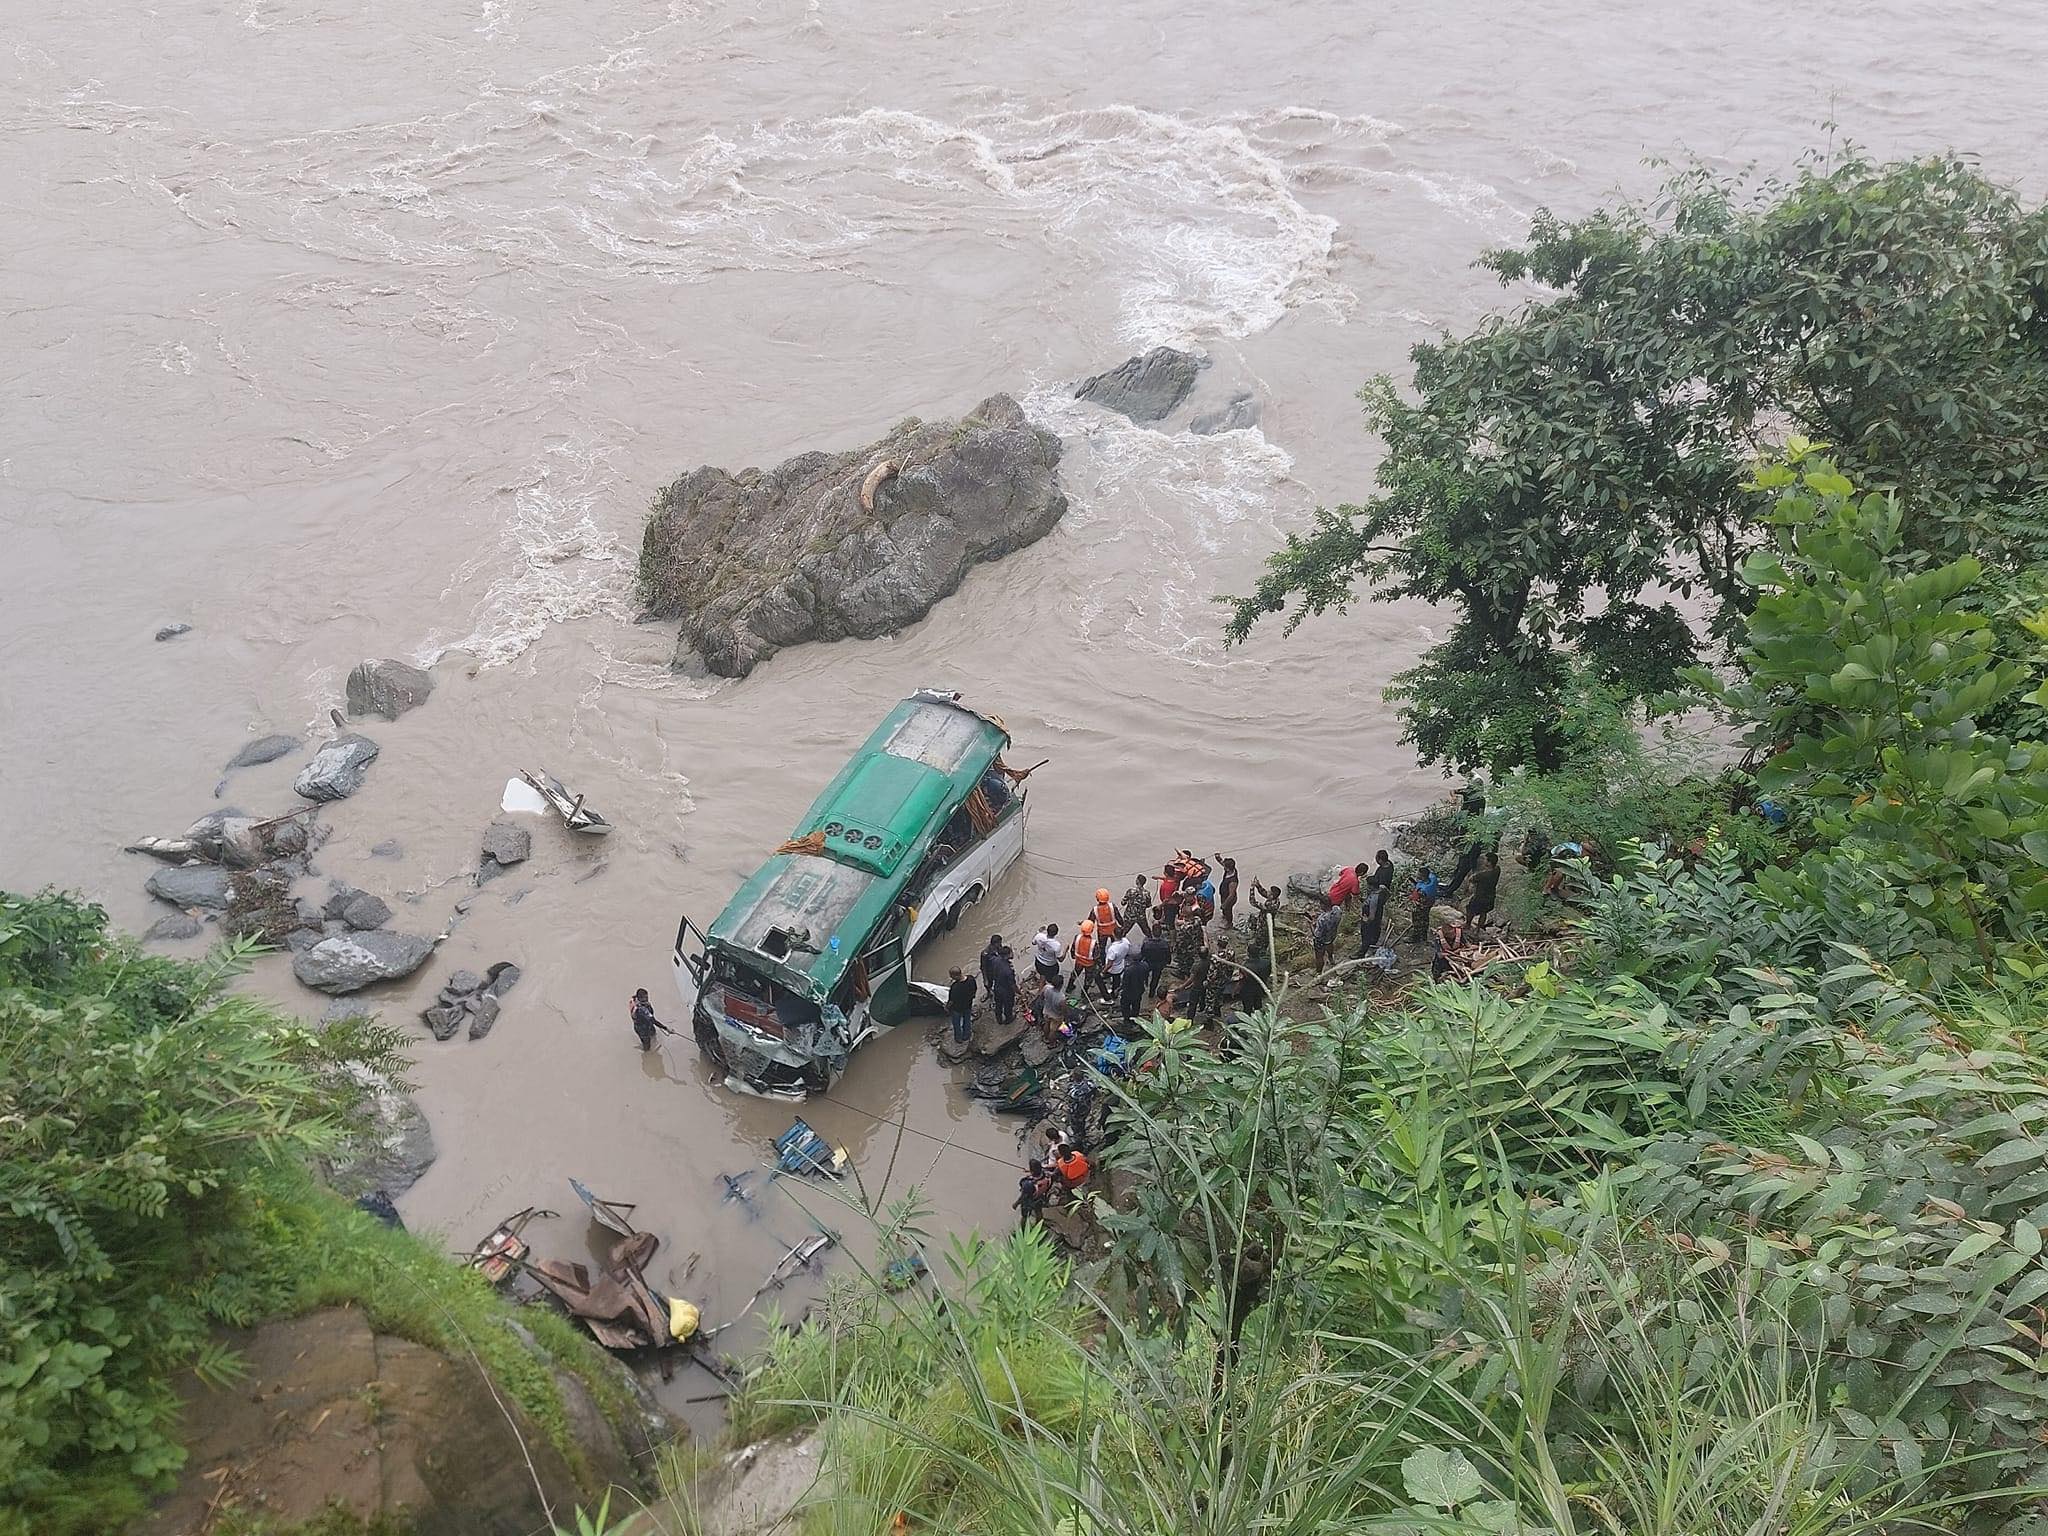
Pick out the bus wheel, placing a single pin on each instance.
(709, 1044)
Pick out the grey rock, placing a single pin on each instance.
(302, 938)
(388, 849)
(488, 870)
(507, 842)
(309, 915)
(264, 749)
(207, 835)
(365, 911)
(1236, 414)
(444, 1019)
(393, 1151)
(337, 769)
(387, 688)
(465, 904)
(288, 836)
(1144, 388)
(502, 978)
(243, 844)
(1313, 883)
(334, 926)
(342, 963)
(172, 631)
(483, 1018)
(193, 885)
(175, 926)
(756, 561)
(461, 984)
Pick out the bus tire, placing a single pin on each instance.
(709, 1045)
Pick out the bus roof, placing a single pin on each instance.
(875, 822)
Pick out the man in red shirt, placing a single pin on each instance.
(1345, 886)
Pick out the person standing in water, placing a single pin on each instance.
(1226, 890)
(960, 1004)
(644, 1021)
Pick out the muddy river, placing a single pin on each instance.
(342, 331)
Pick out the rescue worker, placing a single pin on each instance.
(1157, 954)
(1118, 961)
(1107, 925)
(1422, 897)
(1221, 985)
(1071, 1163)
(960, 1005)
(1169, 883)
(1324, 934)
(1188, 941)
(1033, 1191)
(644, 1021)
(1226, 890)
(1443, 946)
(1002, 987)
(1372, 919)
(1137, 902)
(1382, 871)
(1046, 953)
(1084, 954)
(1485, 884)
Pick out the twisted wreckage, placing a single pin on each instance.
(811, 957)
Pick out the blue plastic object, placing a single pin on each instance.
(802, 1150)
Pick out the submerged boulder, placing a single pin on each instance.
(264, 749)
(1144, 388)
(831, 546)
(337, 770)
(387, 688)
(348, 962)
(1238, 413)
(193, 885)
(171, 928)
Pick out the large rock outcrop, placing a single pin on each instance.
(832, 546)
(333, 1423)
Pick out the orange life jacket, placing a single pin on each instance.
(1084, 949)
(1105, 919)
(1073, 1168)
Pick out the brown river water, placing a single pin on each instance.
(343, 331)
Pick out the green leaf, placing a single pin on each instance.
(1441, 1479)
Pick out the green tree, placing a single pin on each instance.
(1868, 678)
(1564, 473)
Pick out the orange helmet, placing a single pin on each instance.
(1087, 925)
(1102, 895)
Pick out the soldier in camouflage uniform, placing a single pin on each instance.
(1189, 940)
(1137, 903)
(1220, 989)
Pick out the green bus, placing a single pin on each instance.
(811, 957)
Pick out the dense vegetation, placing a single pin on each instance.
(155, 1137)
(1729, 1217)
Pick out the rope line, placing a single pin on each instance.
(1047, 865)
(943, 1141)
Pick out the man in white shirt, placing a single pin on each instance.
(1115, 961)
(1047, 952)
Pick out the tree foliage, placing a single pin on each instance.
(143, 1107)
(1869, 681)
(1566, 476)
